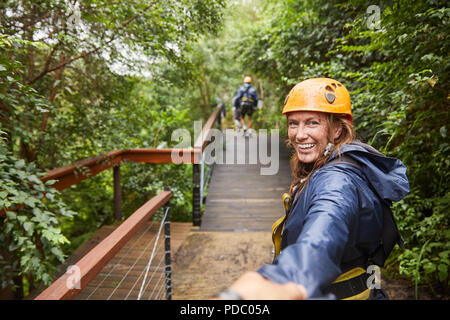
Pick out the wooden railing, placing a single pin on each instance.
(98, 257)
(93, 262)
(86, 168)
(71, 174)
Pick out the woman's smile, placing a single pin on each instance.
(308, 131)
(305, 147)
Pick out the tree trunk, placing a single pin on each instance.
(202, 94)
(56, 79)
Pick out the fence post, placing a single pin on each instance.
(117, 193)
(202, 179)
(168, 267)
(196, 195)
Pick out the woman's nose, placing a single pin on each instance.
(301, 134)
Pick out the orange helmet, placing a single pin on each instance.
(248, 79)
(319, 94)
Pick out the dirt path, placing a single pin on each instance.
(403, 290)
(210, 261)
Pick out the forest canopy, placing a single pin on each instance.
(81, 78)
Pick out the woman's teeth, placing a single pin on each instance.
(306, 146)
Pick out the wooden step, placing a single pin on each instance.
(240, 198)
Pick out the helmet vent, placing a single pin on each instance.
(329, 88)
(334, 85)
(330, 97)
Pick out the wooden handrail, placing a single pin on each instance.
(203, 140)
(92, 263)
(84, 169)
(74, 173)
(147, 155)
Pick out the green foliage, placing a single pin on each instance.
(80, 78)
(397, 74)
(140, 185)
(31, 241)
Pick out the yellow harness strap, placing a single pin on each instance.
(277, 231)
(348, 276)
(277, 227)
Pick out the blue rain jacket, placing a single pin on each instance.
(337, 219)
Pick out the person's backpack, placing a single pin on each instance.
(390, 233)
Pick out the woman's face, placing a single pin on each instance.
(308, 133)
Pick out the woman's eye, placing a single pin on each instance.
(292, 124)
(314, 123)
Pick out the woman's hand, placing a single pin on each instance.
(253, 286)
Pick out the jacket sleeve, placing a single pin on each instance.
(313, 261)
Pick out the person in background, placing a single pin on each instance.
(245, 103)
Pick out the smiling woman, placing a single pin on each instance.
(308, 134)
(338, 223)
(319, 119)
(312, 135)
